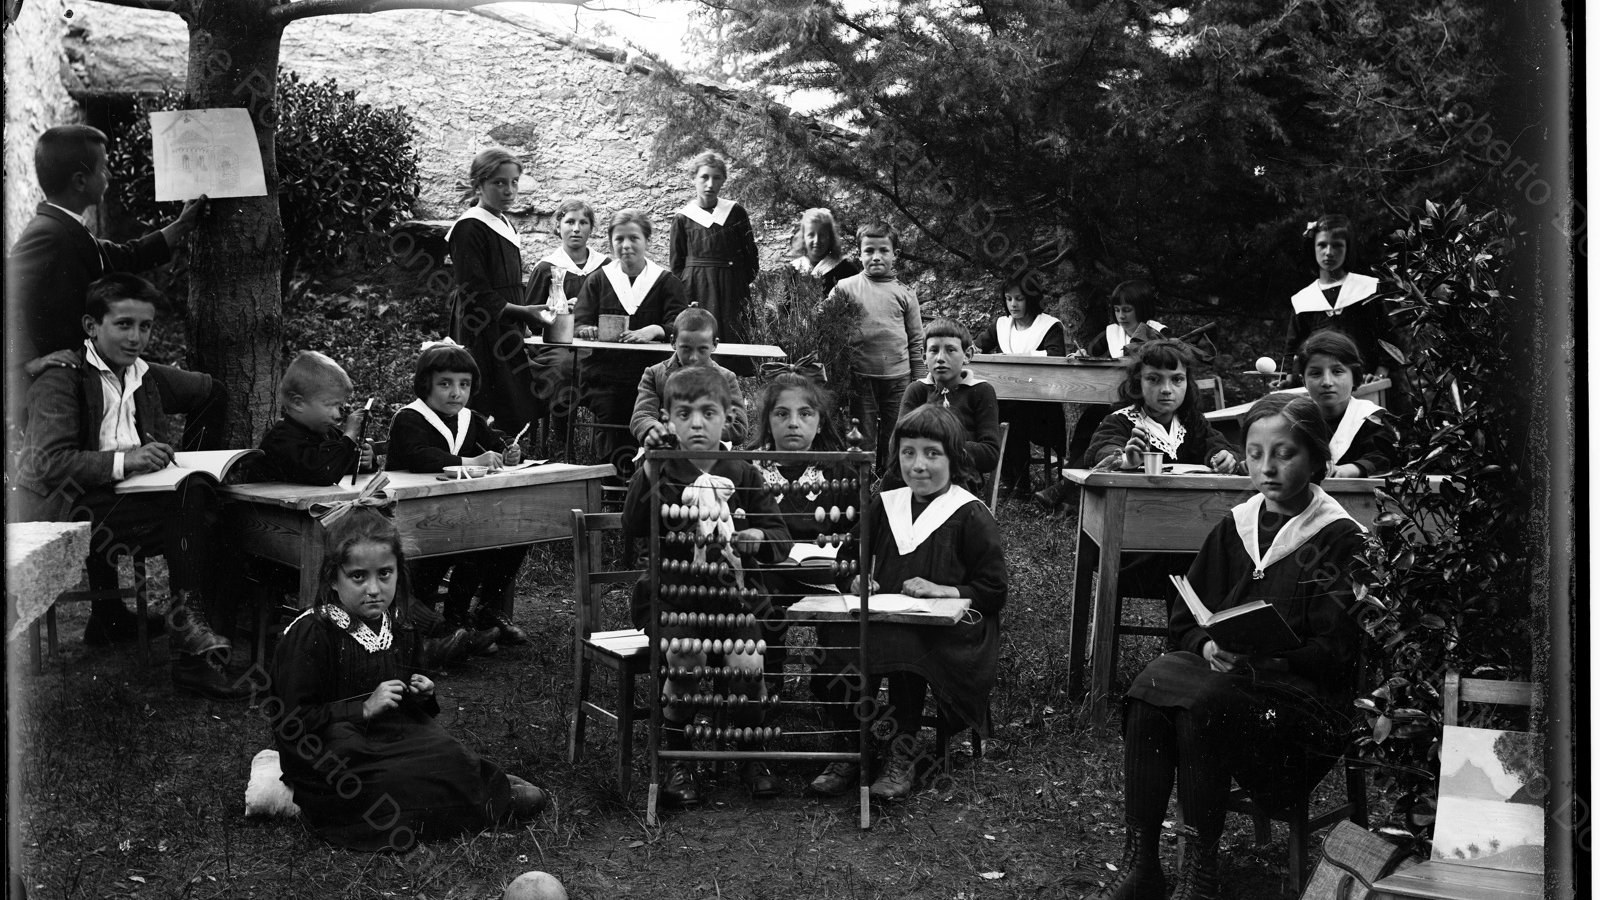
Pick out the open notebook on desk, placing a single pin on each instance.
(884, 607)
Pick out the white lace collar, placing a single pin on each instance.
(823, 266)
(453, 440)
(910, 533)
(498, 224)
(1161, 437)
(361, 631)
(698, 214)
(631, 294)
(1321, 512)
(1354, 289)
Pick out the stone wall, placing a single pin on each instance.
(36, 78)
(470, 80)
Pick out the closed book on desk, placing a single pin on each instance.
(213, 464)
(1256, 628)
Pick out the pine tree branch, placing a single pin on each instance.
(305, 9)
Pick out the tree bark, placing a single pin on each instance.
(236, 307)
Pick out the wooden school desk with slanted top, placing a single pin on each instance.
(1052, 379)
(1128, 511)
(273, 520)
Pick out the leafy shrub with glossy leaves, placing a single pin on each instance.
(1446, 584)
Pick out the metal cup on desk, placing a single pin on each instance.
(612, 327)
(1152, 462)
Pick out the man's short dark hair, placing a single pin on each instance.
(64, 151)
(120, 286)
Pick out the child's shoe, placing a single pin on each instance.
(894, 782)
(481, 641)
(682, 784)
(511, 633)
(1054, 496)
(447, 648)
(836, 779)
(204, 676)
(527, 801)
(759, 778)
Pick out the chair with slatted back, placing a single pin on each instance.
(104, 584)
(1302, 823)
(1212, 386)
(992, 488)
(622, 650)
(1484, 691)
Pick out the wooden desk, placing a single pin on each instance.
(1440, 880)
(1133, 512)
(754, 351)
(273, 520)
(757, 351)
(1056, 379)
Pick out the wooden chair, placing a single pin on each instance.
(1302, 824)
(624, 651)
(1441, 879)
(103, 585)
(1458, 690)
(1212, 386)
(992, 494)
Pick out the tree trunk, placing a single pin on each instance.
(236, 307)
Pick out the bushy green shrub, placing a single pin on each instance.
(791, 311)
(347, 171)
(1446, 580)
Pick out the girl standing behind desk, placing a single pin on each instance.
(1025, 330)
(487, 315)
(714, 253)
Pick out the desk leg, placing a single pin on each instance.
(572, 412)
(1103, 631)
(310, 561)
(1078, 621)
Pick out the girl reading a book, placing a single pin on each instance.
(1274, 719)
(931, 539)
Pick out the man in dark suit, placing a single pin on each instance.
(108, 417)
(56, 258)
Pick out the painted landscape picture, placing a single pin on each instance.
(1491, 796)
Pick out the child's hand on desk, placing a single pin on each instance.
(369, 457)
(1225, 462)
(643, 335)
(748, 541)
(385, 696)
(421, 686)
(922, 587)
(152, 457)
(586, 332)
(1376, 374)
(487, 458)
(855, 585)
(513, 454)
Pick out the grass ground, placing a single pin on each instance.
(130, 791)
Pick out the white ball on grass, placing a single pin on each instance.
(535, 886)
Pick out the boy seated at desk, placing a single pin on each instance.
(105, 419)
(697, 400)
(315, 441)
(693, 345)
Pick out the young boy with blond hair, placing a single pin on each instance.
(315, 441)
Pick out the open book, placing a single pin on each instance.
(888, 607)
(1257, 628)
(809, 553)
(213, 464)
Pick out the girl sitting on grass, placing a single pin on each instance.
(1207, 715)
(370, 767)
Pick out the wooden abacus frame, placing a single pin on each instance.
(861, 461)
